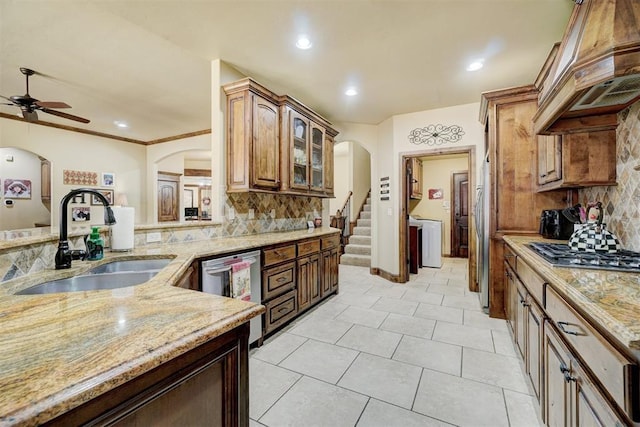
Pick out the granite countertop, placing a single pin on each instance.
(61, 350)
(609, 298)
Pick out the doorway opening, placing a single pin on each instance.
(450, 205)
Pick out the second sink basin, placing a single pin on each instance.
(92, 282)
(131, 265)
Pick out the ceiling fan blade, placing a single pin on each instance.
(52, 104)
(8, 99)
(30, 115)
(65, 115)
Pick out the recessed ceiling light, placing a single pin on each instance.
(120, 124)
(303, 43)
(351, 92)
(475, 65)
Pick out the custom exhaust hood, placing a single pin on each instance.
(596, 69)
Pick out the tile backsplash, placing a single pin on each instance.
(622, 202)
(271, 213)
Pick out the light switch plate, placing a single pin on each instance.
(231, 213)
(252, 214)
(273, 213)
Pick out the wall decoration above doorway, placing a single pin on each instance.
(70, 177)
(436, 134)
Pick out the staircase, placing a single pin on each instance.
(358, 251)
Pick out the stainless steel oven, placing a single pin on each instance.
(217, 277)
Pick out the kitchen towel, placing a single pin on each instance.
(241, 280)
(122, 231)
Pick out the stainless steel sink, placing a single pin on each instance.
(91, 282)
(112, 275)
(131, 265)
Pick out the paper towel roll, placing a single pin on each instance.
(122, 230)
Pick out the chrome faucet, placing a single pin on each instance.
(64, 255)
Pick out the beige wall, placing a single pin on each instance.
(360, 177)
(352, 172)
(436, 173)
(16, 163)
(341, 176)
(75, 151)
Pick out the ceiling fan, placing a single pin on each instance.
(29, 105)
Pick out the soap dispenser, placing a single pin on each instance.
(95, 245)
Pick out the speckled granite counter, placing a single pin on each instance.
(609, 298)
(58, 351)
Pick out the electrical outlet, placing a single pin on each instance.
(231, 214)
(273, 214)
(154, 237)
(252, 214)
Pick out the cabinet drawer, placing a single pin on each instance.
(280, 310)
(330, 242)
(277, 280)
(510, 257)
(610, 367)
(534, 283)
(308, 247)
(278, 255)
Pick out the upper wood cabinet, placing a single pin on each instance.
(416, 179)
(595, 71)
(253, 138)
(576, 160)
(275, 143)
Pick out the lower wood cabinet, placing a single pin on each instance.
(577, 375)
(208, 384)
(296, 276)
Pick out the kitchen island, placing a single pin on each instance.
(62, 353)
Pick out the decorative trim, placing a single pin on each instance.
(436, 134)
(394, 278)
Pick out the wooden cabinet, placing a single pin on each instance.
(253, 138)
(577, 375)
(515, 204)
(209, 384)
(168, 196)
(296, 276)
(576, 160)
(275, 143)
(417, 179)
(571, 396)
(594, 74)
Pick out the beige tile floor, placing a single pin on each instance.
(383, 354)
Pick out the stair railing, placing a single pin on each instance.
(342, 220)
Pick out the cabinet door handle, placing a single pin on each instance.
(543, 175)
(561, 325)
(567, 373)
(280, 310)
(281, 279)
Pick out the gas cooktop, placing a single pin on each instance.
(560, 255)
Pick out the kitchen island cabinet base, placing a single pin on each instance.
(208, 384)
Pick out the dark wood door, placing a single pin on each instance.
(168, 196)
(460, 229)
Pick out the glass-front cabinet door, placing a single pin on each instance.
(317, 158)
(300, 151)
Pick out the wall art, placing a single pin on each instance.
(108, 179)
(385, 188)
(436, 134)
(17, 189)
(70, 177)
(108, 194)
(436, 193)
(81, 214)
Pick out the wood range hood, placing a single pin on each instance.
(595, 72)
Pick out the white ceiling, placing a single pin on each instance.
(147, 62)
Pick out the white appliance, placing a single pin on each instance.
(431, 241)
(217, 278)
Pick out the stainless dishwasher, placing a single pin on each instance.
(217, 279)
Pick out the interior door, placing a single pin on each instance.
(460, 228)
(168, 196)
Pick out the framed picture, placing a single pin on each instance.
(80, 214)
(436, 193)
(17, 188)
(108, 194)
(108, 179)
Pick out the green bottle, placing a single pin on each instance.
(95, 245)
